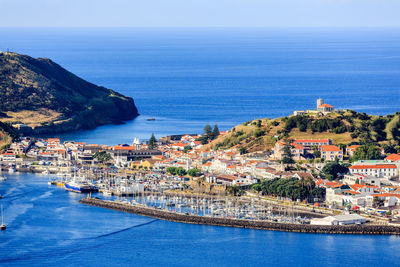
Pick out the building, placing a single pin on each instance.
(124, 155)
(376, 170)
(344, 219)
(330, 152)
(300, 147)
(322, 107)
(8, 156)
(351, 149)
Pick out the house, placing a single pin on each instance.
(322, 107)
(297, 150)
(393, 158)
(351, 179)
(330, 152)
(351, 149)
(8, 156)
(375, 170)
(312, 143)
(146, 164)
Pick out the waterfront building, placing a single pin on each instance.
(344, 219)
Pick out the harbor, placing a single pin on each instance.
(242, 223)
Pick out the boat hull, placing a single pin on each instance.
(79, 189)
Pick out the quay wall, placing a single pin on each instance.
(301, 228)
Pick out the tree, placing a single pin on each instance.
(180, 171)
(243, 151)
(287, 152)
(317, 154)
(194, 172)
(187, 148)
(215, 132)
(152, 142)
(102, 156)
(367, 152)
(332, 170)
(208, 131)
(171, 170)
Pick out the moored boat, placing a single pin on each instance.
(3, 226)
(79, 187)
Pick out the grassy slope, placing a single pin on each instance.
(273, 127)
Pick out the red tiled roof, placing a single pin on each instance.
(330, 148)
(180, 144)
(377, 166)
(326, 106)
(311, 141)
(393, 157)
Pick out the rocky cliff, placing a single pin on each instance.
(47, 98)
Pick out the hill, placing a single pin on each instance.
(343, 127)
(47, 98)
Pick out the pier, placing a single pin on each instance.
(369, 229)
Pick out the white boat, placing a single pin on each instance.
(107, 193)
(3, 226)
(3, 178)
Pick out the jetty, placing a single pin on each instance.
(367, 229)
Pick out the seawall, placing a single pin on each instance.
(264, 225)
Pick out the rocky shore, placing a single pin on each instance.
(264, 225)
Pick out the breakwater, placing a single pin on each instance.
(369, 229)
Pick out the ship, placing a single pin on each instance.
(79, 187)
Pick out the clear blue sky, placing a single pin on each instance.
(199, 13)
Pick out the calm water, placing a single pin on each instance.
(186, 78)
(48, 227)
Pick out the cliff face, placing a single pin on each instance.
(48, 98)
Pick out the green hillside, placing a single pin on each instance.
(343, 127)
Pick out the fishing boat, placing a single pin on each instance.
(3, 178)
(3, 226)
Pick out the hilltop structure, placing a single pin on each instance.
(322, 108)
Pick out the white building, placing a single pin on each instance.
(378, 169)
(344, 219)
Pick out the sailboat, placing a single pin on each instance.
(3, 226)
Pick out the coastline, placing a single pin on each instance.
(240, 223)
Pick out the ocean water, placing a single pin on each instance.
(48, 227)
(186, 78)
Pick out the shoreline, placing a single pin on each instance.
(366, 229)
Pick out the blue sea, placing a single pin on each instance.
(48, 227)
(186, 78)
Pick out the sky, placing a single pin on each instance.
(199, 13)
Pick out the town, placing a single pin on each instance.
(309, 175)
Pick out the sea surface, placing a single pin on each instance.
(48, 227)
(187, 78)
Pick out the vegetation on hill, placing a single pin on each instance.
(292, 188)
(45, 96)
(343, 127)
(7, 135)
